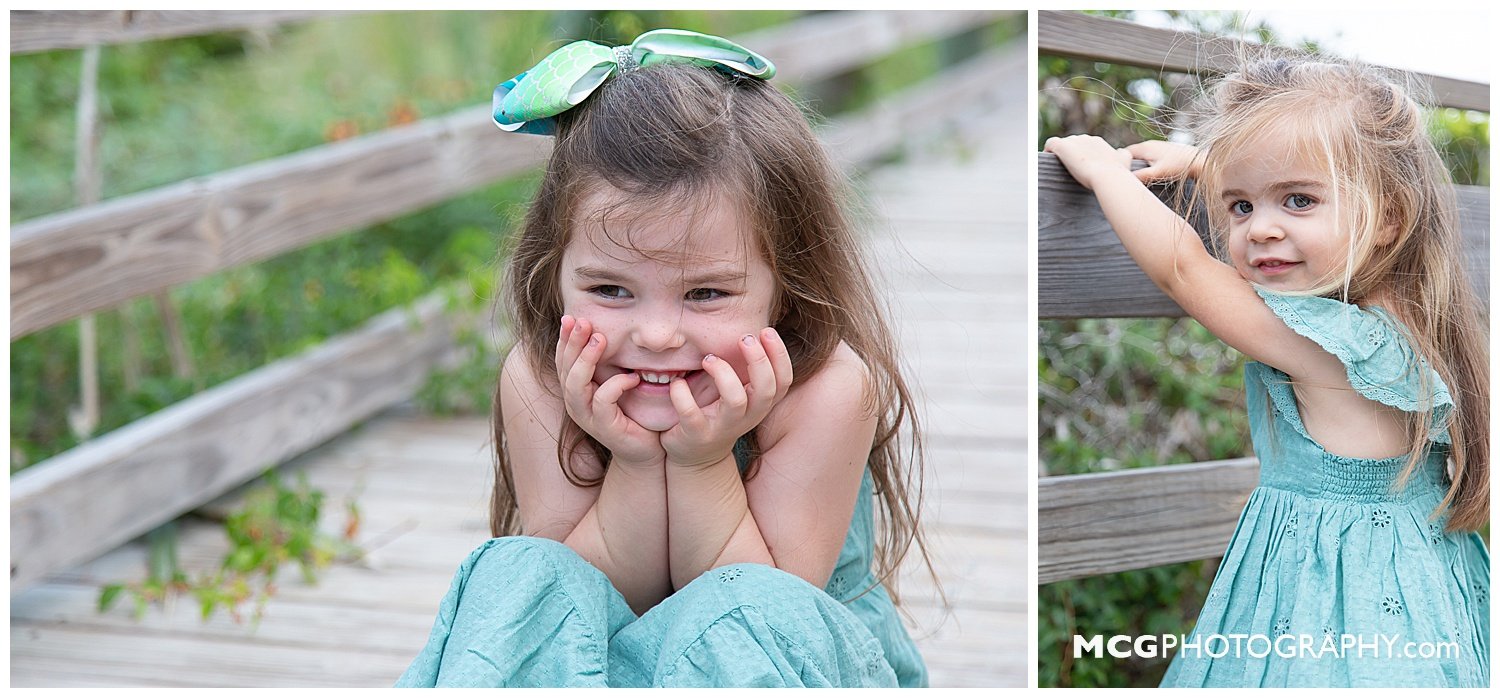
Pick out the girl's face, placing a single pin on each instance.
(1284, 232)
(666, 288)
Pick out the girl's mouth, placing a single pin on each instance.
(1274, 267)
(660, 382)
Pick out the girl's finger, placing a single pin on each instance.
(564, 330)
(581, 374)
(762, 373)
(732, 397)
(572, 345)
(609, 393)
(1055, 143)
(781, 360)
(688, 413)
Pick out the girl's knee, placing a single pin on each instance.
(522, 611)
(520, 569)
(719, 591)
(775, 628)
(524, 555)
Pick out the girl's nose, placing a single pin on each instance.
(1264, 228)
(658, 334)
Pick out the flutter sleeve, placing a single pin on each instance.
(1381, 364)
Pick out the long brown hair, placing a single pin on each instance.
(669, 134)
(1365, 127)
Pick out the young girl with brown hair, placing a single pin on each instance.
(703, 410)
(1340, 274)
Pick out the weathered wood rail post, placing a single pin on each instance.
(1110, 522)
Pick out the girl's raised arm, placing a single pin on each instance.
(815, 453)
(619, 526)
(1170, 252)
(794, 513)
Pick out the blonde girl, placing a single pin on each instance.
(1339, 274)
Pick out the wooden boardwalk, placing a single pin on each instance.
(949, 235)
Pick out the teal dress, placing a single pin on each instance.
(1331, 552)
(529, 612)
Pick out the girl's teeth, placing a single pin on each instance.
(659, 378)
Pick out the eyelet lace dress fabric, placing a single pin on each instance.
(1330, 552)
(529, 612)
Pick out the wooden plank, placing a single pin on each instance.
(92, 258)
(91, 498)
(963, 652)
(861, 138)
(1108, 522)
(1110, 40)
(195, 660)
(951, 243)
(977, 570)
(1084, 271)
(46, 30)
(290, 622)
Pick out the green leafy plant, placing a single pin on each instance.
(1094, 376)
(276, 525)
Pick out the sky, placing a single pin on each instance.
(1450, 43)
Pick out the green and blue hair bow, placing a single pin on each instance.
(528, 102)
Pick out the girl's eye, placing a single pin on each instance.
(1241, 208)
(701, 295)
(1299, 202)
(610, 291)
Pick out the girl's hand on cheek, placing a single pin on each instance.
(1086, 157)
(705, 436)
(596, 407)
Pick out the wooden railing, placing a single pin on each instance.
(100, 494)
(1074, 35)
(46, 30)
(1109, 522)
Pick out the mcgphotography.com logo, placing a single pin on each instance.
(1287, 646)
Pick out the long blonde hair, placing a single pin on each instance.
(1365, 126)
(663, 135)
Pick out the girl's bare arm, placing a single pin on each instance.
(816, 450)
(1168, 250)
(619, 526)
(794, 513)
